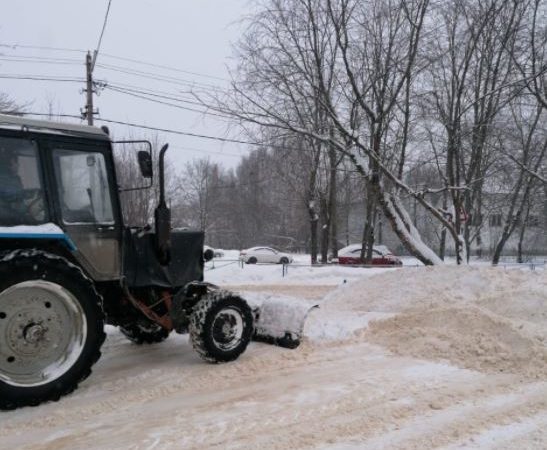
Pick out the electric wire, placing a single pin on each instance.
(169, 95)
(120, 58)
(186, 133)
(40, 78)
(39, 60)
(146, 127)
(202, 150)
(173, 105)
(102, 31)
(157, 77)
(41, 47)
(165, 67)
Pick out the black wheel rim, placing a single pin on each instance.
(227, 328)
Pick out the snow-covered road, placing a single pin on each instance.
(458, 360)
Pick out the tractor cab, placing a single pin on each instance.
(65, 175)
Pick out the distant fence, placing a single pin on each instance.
(284, 268)
(531, 265)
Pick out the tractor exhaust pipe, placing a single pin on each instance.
(162, 216)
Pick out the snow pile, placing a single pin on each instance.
(469, 338)
(485, 319)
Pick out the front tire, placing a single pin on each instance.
(221, 326)
(51, 328)
(252, 260)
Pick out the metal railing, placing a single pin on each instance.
(222, 263)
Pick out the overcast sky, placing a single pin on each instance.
(193, 36)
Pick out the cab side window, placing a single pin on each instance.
(82, 186)
(21, 187)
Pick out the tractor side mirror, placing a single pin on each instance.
(208, 254)
(145, 164)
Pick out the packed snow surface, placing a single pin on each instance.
(414, 358)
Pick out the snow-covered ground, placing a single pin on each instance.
(416, 357)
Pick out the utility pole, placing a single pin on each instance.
(88, 111)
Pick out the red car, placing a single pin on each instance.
(381, 256)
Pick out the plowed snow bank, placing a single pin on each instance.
(485, 319)
(468, 338)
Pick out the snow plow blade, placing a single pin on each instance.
(281, 323)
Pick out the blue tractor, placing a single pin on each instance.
(68, 265)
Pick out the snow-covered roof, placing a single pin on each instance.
(47, 228)
(16, 122)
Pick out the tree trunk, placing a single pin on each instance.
(522, 232)
(333, 206)
(401, 225)
(368, 230)
(325, 228)
(314, 219)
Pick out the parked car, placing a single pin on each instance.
(216, 252)
(381, 256)
(255, 255)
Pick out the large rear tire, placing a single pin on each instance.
(51, 328)
(221, 326)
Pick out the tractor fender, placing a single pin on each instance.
(184, 301)
(41, 234)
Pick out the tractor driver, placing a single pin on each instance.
(15, 208)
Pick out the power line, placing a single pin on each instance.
(134, 92)
(127, 71)
(114, 86)
(249, 183)
(165, 67)
(41, 47)
(157, 77)
(146, 127)
(202, 150)
(40, 78)
(160, 93)
(173, 105)
(39, 60)
(107, 55)
(90, 61)
(182, 133)
(102, 31)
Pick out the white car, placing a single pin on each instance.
(255, 255)
(216, 252)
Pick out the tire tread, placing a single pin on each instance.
(25, 259)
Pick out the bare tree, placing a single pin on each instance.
(137, 200)
(286, 55)
(531, 54)
(352, 81)
(10, 106)
(530, 144)
(469, 70)
(194, 195)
